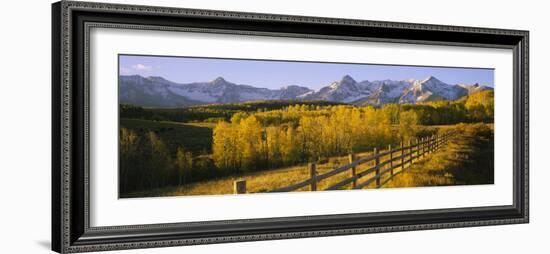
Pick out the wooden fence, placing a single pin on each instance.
(392, 161)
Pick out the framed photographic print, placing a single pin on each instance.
(181, 126)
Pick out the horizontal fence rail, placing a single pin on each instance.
(392, 161)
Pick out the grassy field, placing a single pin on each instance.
(194, 137)
(466, 159)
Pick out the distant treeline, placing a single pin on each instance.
(265, 135)
(211, 112)
(477, 107)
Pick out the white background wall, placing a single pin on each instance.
(25, 125)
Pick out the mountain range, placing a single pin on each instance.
(156, 91)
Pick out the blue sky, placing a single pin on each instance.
(275, 74)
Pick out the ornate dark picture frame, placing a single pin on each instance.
(71, 22)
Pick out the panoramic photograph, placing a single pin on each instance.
(217, 126)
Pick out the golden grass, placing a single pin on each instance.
(467, 159)
(263, 181)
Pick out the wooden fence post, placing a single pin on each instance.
(410, 152)
(429, 139)
(391, 159)
(427, 146)
(313, 176)
(351, 157)
(239, 186)
(423, 146)
(432, 144)
(419, 152)
(402, 157)
(376, 162)
(417, 149)
(435, 142)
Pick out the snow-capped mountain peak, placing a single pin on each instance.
(431, 79)
(219, 81)
(348, 79)
(432, 88)
(429, 83)
(345, 90)
(158, 92)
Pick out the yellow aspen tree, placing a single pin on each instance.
(224, 146)
(408, 121)
(250, 140)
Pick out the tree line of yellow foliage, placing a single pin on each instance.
(302, 133)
